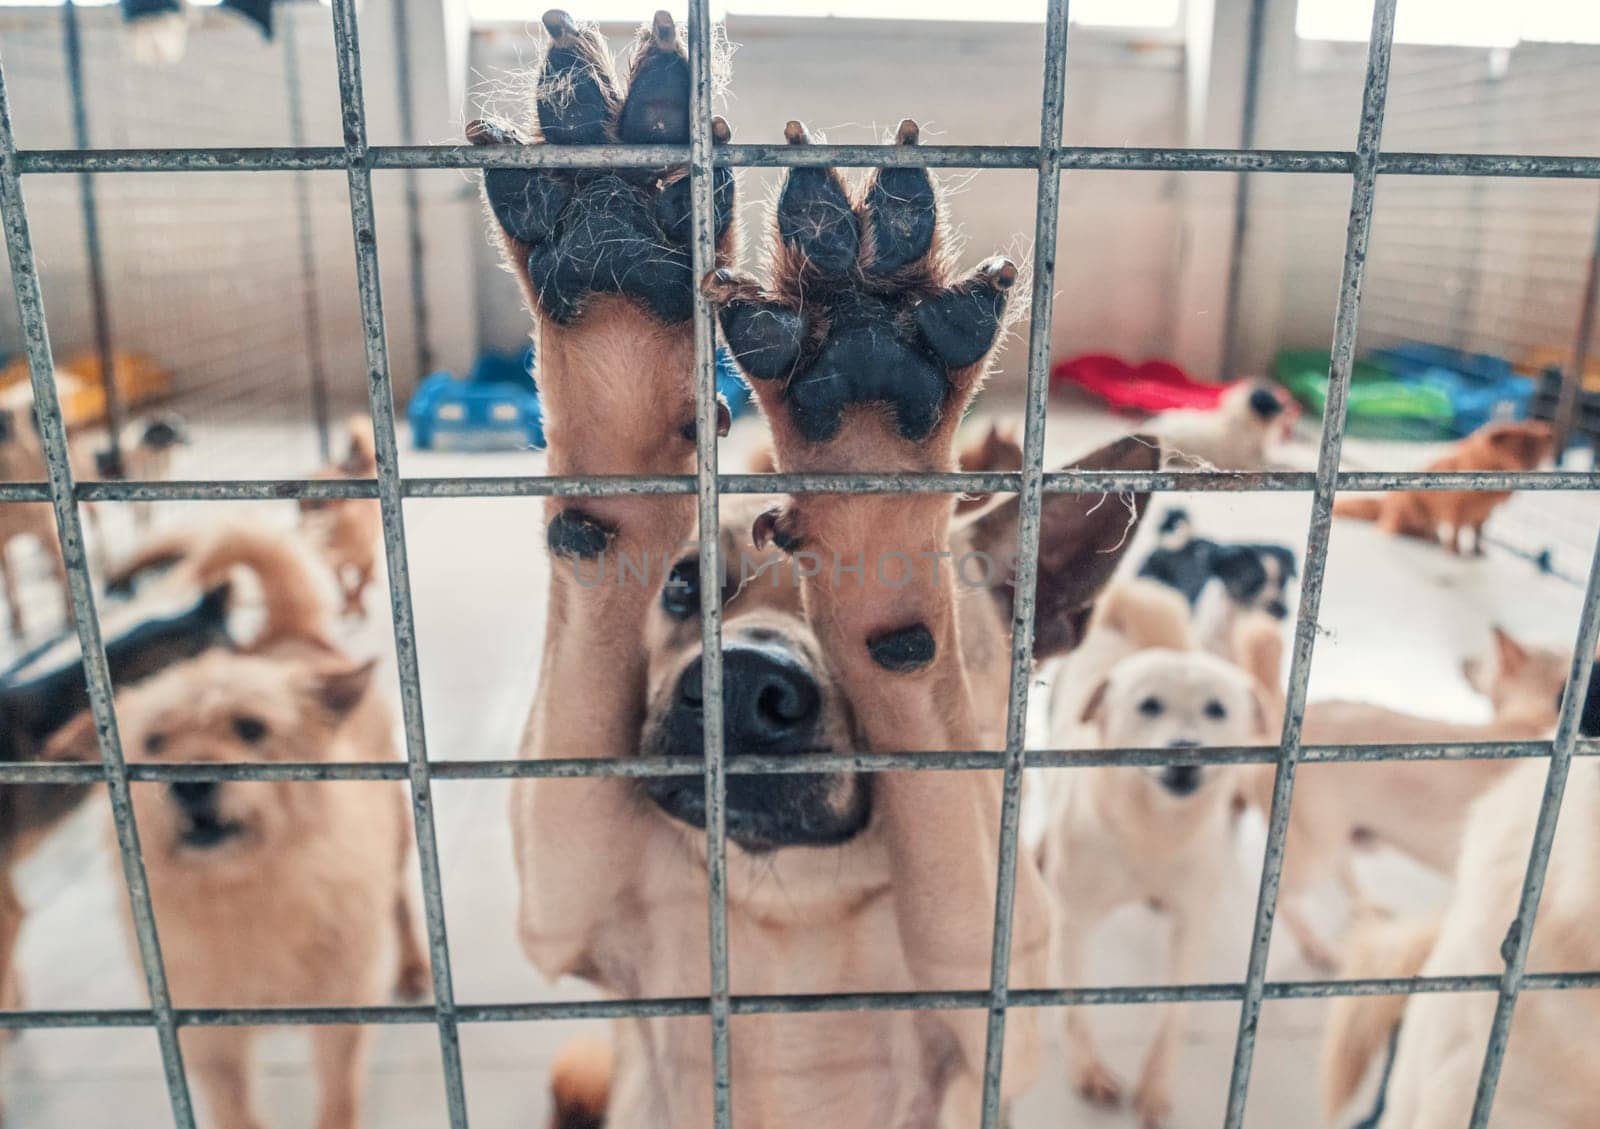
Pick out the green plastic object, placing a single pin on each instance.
(1380, 407)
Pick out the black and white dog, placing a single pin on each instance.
(1220, 581)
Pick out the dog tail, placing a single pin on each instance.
(1357, 508)
(292, 602)
(361, 460)
(580, 1085)
(1360, 1027)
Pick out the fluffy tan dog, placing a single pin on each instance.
(271, 894)
(1160, 835)
(1447, 515)
(1547, 1081)
(348, 530)
(1416, 807)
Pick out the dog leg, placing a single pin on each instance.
(1091, 1078)
(11, 915)
(220, 1060)
(603, 264)
(1152, 1098)
(1312, 948)
(883, 389)
(415, 978)
(13, 601)
(340, 1056)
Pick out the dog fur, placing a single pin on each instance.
(1546, 1082)
(1415, 807)
(1238, 434)
(1447, 515)
(835, 882)
(22, 460)
(271, 894)
(1159, 835)
(348, 530)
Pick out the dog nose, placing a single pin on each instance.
(1277, 609)
(771, 702)
(1265, 404)
(1181, 779)
(195, 795)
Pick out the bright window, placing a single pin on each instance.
(1098, 13)
(1466, 23)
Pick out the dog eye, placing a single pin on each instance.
(155, 743)
(1150, 707)
(680, 597)
(1215, 710)
(249, 729)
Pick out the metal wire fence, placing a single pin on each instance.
(1366, 165)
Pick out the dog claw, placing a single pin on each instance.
(795, 133)
(576, 97)
(776, 527)
(961, 323)
(721, 132)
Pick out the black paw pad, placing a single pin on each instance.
(867, 362)
(657, 109)
(814, 214)
(960, 324)
(904, 217)
(576, 97)
(904, 649)
(573, 533)
(526, 202)
(765, 339)
(675, 205)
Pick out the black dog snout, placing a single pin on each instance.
(771, 702)
(1277, 609)
(196, 796)
(1264, 404)
(1181, 779)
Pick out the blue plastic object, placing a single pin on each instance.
(1481, 387)
(497, 403)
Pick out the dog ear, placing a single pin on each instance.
(1082, 537)
(1509, 654)
(340, 689)
(77, 741)
(1096, 702)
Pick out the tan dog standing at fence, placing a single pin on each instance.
(837, 881)
(270, 894)
(1416, 807)
(348, 530)
(1447, 515)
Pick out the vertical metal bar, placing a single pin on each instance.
(1519, 937)
(98, 305)
(381, 399)
(1572, 382)
(1030, 501)
(1357, 234)
(1241, 200)
(408, 136)
(704, 260)
(311, 304)
(53, 438)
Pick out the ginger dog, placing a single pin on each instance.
(1546, 1081)
(1158, 835)
(271, 894)
(1446, 515)
(1415, 807)
(837, 881)
(22, 460)
(348, 530)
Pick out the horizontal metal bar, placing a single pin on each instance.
(977, 760)
(1088, 158)
(803, 1004)
(599, 486)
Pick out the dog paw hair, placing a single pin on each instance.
(862, 321)
(573, 233)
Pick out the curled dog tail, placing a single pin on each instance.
(580, 1085)
(361, 460)
(1357, 509)
(293, 603)
(1360, 1027)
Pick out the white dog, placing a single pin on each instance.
(1158, 835)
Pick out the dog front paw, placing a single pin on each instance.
(1153, 1104)
(1096, 1084)
(862, 350)
(572, 234)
